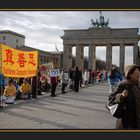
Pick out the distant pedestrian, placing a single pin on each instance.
(54, 81)
(71, 76)
(77, 76)
(81, 77)
(86, 76)
(34, 84)
(113, 78)
(65, 80)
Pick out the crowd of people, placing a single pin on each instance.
(28, 88)
(123, 88)
(15, 89)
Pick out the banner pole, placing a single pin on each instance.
(1, 97)
(36, 85)
(37, 77)
(1, 87)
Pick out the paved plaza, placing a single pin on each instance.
(82, 110)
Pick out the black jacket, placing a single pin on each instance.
(77, 75)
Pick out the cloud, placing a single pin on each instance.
(43, 29)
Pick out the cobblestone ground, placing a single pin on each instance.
(82, 110)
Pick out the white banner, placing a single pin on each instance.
(54, 72)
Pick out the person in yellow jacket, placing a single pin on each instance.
(9, 93)
(26, 90)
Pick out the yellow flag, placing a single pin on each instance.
(0, 58)
(16, 63)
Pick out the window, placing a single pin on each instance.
(41, 59)
(16, 40)
(4, 37)
(44, 59)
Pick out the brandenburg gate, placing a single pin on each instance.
(99, 35)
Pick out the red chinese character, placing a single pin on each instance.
(21, 59)
(31, 56)
(9, 56)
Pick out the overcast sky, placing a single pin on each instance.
(42, 29)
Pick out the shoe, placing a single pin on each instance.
(53, 95)
(9, 102)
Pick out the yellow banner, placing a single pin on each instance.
(0, 57)
(16, 63)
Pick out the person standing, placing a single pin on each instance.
(128, 92)
(65, 80)
(81, 77)
(77, 77)
(54, 81)
(34, 85)
(85, 76)
(113, 78)
(71, 74)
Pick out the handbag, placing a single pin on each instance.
(117, 109)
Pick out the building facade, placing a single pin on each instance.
(11, 38)
(16, 40)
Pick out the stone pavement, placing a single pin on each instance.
(82, 110)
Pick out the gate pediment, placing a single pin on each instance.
(94, 31)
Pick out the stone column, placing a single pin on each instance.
(60, 62)
(67, 56)
(122, 57)
(79, 56)
(135, 53)
(92, 57)
(70, 57)
(108, 57)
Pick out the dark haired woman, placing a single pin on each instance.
(128, 91)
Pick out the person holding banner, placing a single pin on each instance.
(54, 81)
(65, 80)
(9, 93)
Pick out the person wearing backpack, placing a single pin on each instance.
(113, 78)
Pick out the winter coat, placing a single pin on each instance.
(114, 77)
(131, 118)
(65, 77)
(71, 74)
(77, 76)
(54, 80)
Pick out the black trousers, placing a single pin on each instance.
(76, 86)
(53, 89)
(63, 87)
(34, 92)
